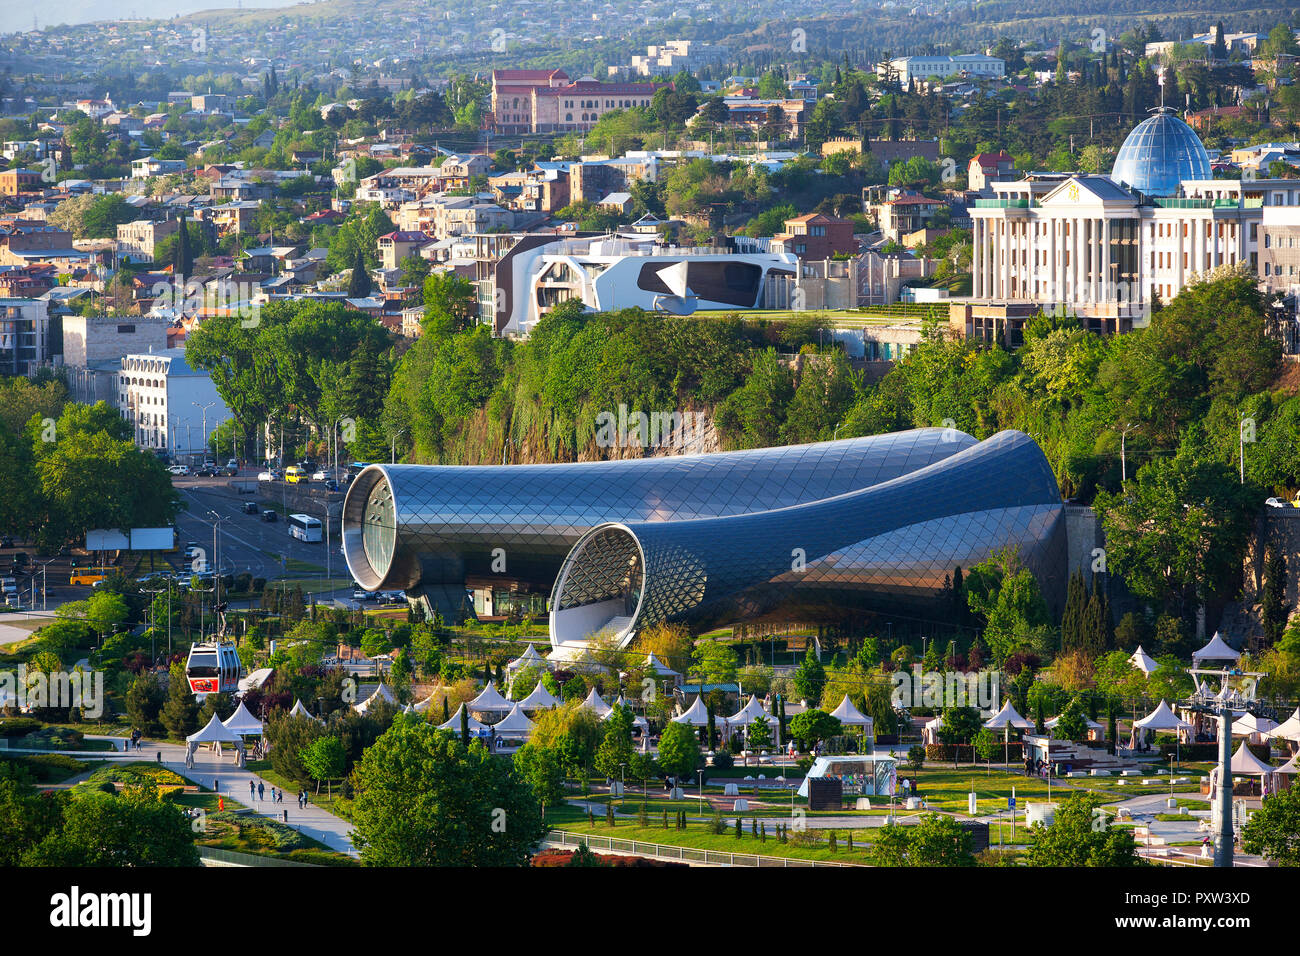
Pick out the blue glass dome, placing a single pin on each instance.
(1159, 154)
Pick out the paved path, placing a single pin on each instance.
(10, 633)
(221, 775)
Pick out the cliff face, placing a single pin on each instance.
(617, 434)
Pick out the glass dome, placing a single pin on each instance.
(1160, 153)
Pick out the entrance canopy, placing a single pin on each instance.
(1216, 650)
(300, 711)
(751, 712)
(1162, 718)
(540, 699)
(242, 722)
(490, 701)
(1143, 661)
(1245, 762)
(596, 704)
(454, 722)
(1288, 729)
(214, 733)
(697, 715)
(848, 714)
(1004, 718)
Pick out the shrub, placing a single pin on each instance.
(723, 760)
(18, 726)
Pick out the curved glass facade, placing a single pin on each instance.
(429, 529)
(1160, 153)
(891, 545)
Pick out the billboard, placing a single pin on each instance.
(140, 539)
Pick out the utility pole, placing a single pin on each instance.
(1223, 825)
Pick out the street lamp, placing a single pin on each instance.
(701, 774)
(1123, 462)
(393, 446)
(205, 422)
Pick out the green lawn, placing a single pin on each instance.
(240, 829)
(699, 836)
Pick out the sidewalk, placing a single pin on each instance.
(221, 775)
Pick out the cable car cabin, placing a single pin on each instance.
(213, 667)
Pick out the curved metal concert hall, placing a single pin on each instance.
(428, 529)
(888, 545)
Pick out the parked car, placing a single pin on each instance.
(179, 469)
(251, 508)
(269, 515)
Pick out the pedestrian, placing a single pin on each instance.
(279, 797)
(252, 790)
(259, 790)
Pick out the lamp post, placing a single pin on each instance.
(701, 774)
(392, 451)
(205, 422)
(1123, 461)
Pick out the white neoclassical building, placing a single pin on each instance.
(171, 406)
(1106, 248)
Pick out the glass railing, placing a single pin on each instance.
(1004, 203)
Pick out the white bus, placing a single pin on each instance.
(305, 527)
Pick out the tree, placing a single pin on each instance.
(424, 799)
(324, 758)
(180, 715)
(144, 701)
(542, 769)
(960, 725)
(760, 734)
(890, 846)
(183, 263)
(679, 751)
(1077, 838)
(1273, 606)
(715, 662)
(615, 751)
(1274, 830)
(132, 829)
(939, 840)
(810, 678)
(359, 283)
(813, 726)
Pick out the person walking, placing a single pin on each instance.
(252, 790)
(259, 790)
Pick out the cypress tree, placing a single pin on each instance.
(183, 259)
(464, 725)
(1273, 608)
(359, 281)
(446, 712)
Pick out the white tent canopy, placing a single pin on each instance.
(242, 722)
(454, 722)
(1289, 729)
(1248, 724)
(214, 733)
(658, 667)
(424, 705)
(1162, 718)
(381, 693)
(1143, 661)
(1216, 650)
(540, 699)
(750, 712)
(1245, 762)
(697, 715)
(1290, 766)
(1008, 716)
(848, 714)
(300, 711)
(514, 724)
(595, 703)
(490, 701)
(529, 658)
(1092, 724)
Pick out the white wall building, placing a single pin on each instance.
(169, 403)
(923, 67)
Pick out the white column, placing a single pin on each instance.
(1052, 245)
(1106, 291)
(1214, 242)
(976, 263)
